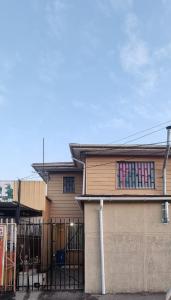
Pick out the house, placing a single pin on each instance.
(119, 192)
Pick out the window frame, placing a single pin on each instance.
(152, 182)
(65, 190)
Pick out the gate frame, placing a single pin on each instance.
(50, 273)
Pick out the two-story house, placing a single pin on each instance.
(118, 191)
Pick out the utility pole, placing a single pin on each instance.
(43, 155)
(19, 200)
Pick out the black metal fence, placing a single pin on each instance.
(50, 256)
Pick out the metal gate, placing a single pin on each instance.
(50, 256)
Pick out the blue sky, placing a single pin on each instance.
(80, 71)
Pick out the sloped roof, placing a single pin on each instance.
(81, 150)
(44, 169)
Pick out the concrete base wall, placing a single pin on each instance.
(137, 248)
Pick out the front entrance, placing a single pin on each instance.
(50, 256)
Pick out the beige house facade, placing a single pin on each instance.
(118, 192)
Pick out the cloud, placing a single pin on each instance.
(163, 52)
(56, 11)
(131, 25)
(166, 2)
(121, 4)
(107, 7)
(137, 59)
(134, 55)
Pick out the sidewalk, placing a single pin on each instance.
(80, 296)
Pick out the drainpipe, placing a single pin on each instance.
(165, 159)
(81, 162)
(102, 248)
(166, 204)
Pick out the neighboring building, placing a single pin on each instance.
(21, 203)
(128, 181)
(29, 198)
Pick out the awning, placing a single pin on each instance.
(9, 210)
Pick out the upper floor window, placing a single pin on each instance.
(136, 175)
(69, 184)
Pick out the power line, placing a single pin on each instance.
(141, 131)
(130, 141)
(159, 124)
(31, 176)
(128, 159)
(137, 145)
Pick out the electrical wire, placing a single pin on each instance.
(31, 176)
(136, 145)
(141, 131)
(128, 159)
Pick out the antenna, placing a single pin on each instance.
(43, 154)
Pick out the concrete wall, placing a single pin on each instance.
(101, 176)
(137, 248)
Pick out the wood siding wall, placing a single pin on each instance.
(46, 212)
(101, 176)
(32, 194)
(64, 204)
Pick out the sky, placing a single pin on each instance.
(75, 71)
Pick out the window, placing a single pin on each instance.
(75, 236)
(68, 184)
(136, 175)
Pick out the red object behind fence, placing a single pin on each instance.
(2, 253)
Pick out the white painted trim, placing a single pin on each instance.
(123, 198)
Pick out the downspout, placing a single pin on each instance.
(102, 249)
(84, 179)
(165, 160)
(166, 204)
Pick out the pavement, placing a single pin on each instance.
(79, 296)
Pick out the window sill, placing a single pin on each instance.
(68, 192)
(135, 189)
